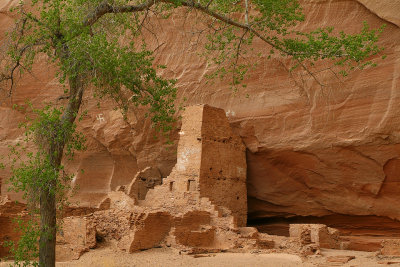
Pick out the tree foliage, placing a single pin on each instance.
(34, 170)
(105, 43)
(95, 54)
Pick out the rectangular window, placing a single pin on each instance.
(191, 185)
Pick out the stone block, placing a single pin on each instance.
(265, 241)
(248, 232)
(193, 229)
(149, 230)
(301, 233)
(77, 236)
(390, 247)
(340, 259)
(319, 234)
(325, 237)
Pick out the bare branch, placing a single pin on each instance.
(237, 57)
(105, 8)
(310, 73)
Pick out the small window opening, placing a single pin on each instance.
(99, 238)
(171, 186)
(191, 186)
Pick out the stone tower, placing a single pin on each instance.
(211, 167)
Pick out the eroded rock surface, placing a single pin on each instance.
(9, 211)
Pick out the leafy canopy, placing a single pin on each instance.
(104, 55)
(102, 41)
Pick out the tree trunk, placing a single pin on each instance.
(48, 204)
(47, 243)
(48, 210)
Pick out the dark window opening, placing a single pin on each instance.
(191, 185)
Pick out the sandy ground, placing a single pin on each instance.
(106, 257)
(169, 257)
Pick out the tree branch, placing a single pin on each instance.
(105, 8)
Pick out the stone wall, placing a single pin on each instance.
(211, 164)
(223, 165)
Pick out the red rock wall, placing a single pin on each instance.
(9, 212)
(313, 151)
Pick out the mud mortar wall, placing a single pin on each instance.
(210, 168)
(189, 148)
(223, 164)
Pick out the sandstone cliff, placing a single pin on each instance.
(312, 150)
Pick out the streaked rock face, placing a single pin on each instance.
(385, 9)
(311, 151)
(9, 211)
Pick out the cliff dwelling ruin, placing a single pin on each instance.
(200, 207)
(201, 204)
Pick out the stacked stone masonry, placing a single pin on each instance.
(201, 206)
